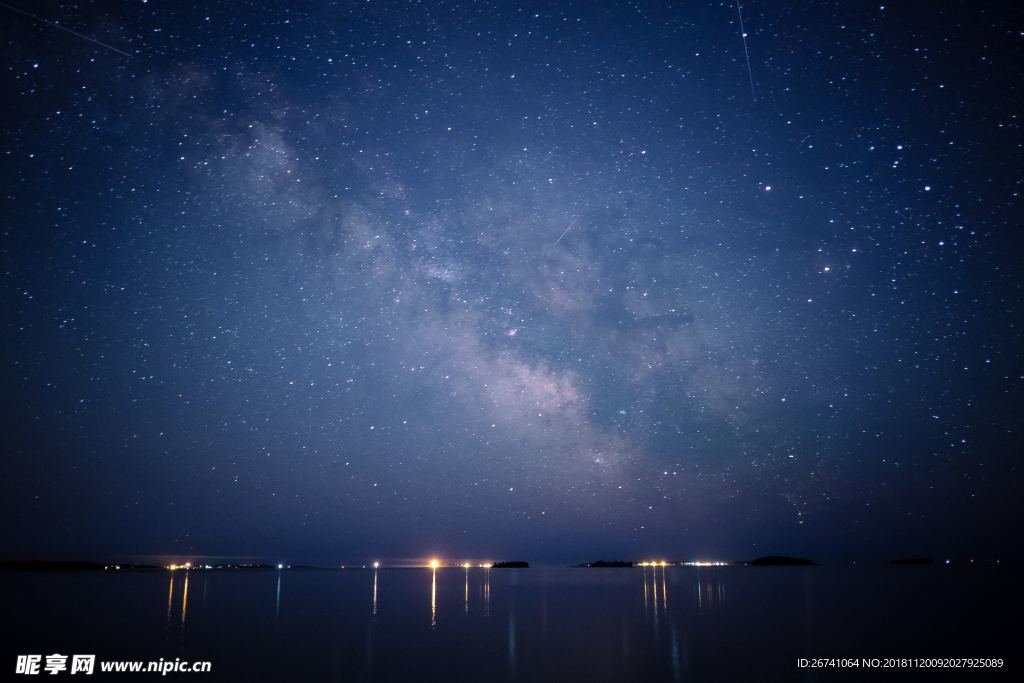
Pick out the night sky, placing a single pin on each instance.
(333, 282)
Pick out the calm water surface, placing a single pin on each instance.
(674, 624)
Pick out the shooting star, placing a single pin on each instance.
(746, 53)
(564, 232)
(65, 29)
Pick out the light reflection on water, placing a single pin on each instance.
(170, 598)
(184, 602)
(433, 597)
(487, 592)
(480, 575)
(184, 598)
(652, 623)
(277, 598)
(709, 589)
(184, 606)
(374, 601)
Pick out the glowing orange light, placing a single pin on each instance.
(435, 563)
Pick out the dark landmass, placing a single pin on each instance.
(517, 564)
(606, 563)
(80, 566)
(780, 561)
(67, 566)
(914, 560)
(48, 565)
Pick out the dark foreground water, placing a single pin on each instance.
(675, 624)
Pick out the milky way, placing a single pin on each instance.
(339, 281)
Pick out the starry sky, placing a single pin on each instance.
(336, 281)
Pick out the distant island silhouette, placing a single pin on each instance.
(766, 561)
(80, 566)
(780, 561)
(67, 565)
(63, 565)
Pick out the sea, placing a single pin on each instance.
(733, 623)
